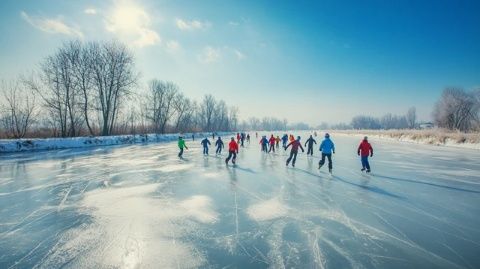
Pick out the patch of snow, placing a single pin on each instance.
(267, 210)
(19, 145)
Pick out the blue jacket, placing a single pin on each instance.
(284, 138)
(327, 146)
(205, 142)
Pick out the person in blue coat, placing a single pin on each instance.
(327, 148)
(284, 140)
(205, 142)
(219, 144)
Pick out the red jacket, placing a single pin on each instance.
(295, 145)
(233, 146)
(365, 149)
(272, 140)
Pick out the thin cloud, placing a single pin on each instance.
(52, 26)
(233, 23)
(172, 46)
(185, 25)
(209, 55)
(131, 23)
(90, 11)
(239, 54)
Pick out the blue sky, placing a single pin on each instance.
(311, 61)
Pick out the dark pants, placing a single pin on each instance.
(322, 161)
(365, 163)
(284, 143)
(293, 154)
(310, 150)
(180, 154)
(277, 144)
(272, 147)
(230, 155)
(242, 142)
(264, 147)
(219, 150)
(205, 150)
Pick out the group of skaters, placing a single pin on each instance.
(327, 148)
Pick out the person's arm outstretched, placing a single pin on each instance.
(371, 150)
(289, 145)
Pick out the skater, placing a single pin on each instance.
(264, 143)
(365, 149)
(193, 137)
(277, 142)
(315, 133)
(242, 138)
(213, 136)
(293, 153)
(238, 138)
(291, 138)
(271, 141)
(219, 145)
(256, 135)
(284, 140)
(205, 142)
(232, 151)
(181, 145)
(248, 139)
(327, 148)
(310, 141)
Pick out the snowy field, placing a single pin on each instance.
(139, 206)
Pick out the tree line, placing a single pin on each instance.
(93, 89)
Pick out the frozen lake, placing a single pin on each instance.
(141, 207)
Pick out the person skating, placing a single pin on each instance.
(293, 153)
(205, 142)
(219, 145)
(291, 138)
(364, 150)
(310, 141)
(213, 136)
(284, 140)
(193, 137)
(232, 151)
(327, 148)
(242, 138)
(271, 141)
(238, 138)
(248, 139)
(264, 143)
(277, 141)
(181, 145)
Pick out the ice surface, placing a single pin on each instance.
(139, 206)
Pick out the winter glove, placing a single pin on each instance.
(371, 155)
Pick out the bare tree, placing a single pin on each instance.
(18, 109)
(113, 76)
(161, 103)
(206, 112)
(412, 117)
(233, 118)
(456, 109)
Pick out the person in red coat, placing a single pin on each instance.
(365, 150)
(232, 151)
(271, 141)
(293, 153)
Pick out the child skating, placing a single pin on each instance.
(232, 151)
(293, 153)
(364, 150)
(181, 145)
(327, 148)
